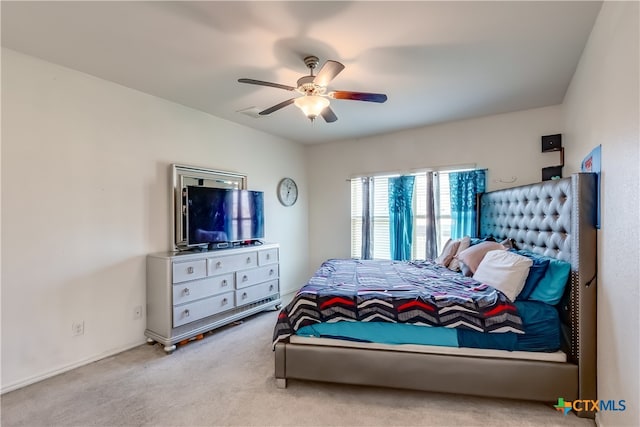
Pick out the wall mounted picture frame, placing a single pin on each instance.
(593, 163)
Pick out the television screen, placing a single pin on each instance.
(222, 215)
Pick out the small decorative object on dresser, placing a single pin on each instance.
(287, 191)
(189, 293)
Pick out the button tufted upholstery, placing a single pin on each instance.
(537, 217)
(556, 218)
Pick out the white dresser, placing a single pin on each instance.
(189, 293)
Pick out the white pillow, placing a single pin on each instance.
(505, 271)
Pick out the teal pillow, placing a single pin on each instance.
(551, 287)
(536, 272)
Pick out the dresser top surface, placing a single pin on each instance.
(188, 254)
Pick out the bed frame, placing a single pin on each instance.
(554, 218)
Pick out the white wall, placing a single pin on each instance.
(85, 196)
(507, 144)
(602, 107)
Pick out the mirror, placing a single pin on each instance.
(191, 175)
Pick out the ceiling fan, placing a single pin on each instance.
(315, 98)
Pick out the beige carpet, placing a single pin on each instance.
(227, 379)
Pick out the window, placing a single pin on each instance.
(356, 218)
(380, 215)
(442, 196)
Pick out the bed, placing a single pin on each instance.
(553, 218)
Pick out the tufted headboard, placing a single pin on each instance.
(557, 219)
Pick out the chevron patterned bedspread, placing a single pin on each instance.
(417, 292)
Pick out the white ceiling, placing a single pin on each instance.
(436, 61)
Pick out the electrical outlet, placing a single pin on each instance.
(77, 328)
(137, 312)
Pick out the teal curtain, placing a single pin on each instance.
(401, 216)
(464, 186)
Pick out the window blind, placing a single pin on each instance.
(380, 213)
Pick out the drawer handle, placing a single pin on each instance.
(245, 278)
(244, 295)
(268, 256)
(224, 301)
(271, 272)
(224, 282)
(190, 270)
(186, 291)
(248, 260)
(219, 264)
(186, 313)
(270, 287)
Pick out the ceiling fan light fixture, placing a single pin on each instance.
(314, 101)
(312, 105)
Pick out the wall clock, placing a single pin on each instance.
(287, 191)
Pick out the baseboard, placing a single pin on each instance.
(62, 369)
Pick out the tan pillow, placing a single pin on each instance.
(466, 271)
(465, 242)
(448, 252)
(473, 255)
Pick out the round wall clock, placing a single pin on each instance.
(287, 191)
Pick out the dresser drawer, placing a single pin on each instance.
(256, 275)
(189, 270)
(197, 310)
(227, 264)
(253, 293)
(190, 291)
(268, 256)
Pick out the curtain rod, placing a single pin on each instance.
(415, 171)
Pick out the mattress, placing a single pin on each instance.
(541, 325)
(416, 292)
(557, 356)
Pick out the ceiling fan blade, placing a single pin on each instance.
(277, 107)
(328, 72)
(261, 83)
(328, 115)
(358, 96)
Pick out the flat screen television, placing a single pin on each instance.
(222, 215)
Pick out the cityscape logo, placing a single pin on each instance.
(589, 405)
